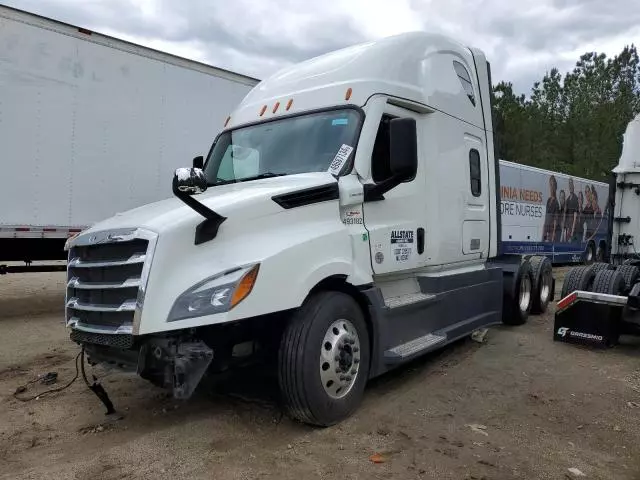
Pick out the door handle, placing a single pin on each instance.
(420, 240)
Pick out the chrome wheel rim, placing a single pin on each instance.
(525, 294)
(589, 254)
(545, 287)
(339, 358)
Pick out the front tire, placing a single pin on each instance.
(323, 362)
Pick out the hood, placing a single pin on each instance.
(242, 201)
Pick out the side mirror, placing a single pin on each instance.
(198, 162)
(403, 147)
(189, 181)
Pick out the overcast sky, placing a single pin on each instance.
(522, 39)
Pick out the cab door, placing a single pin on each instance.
(396, 223)
(475, 226)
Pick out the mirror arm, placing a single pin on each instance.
(374, 192)
(198, 162)
(208, 229)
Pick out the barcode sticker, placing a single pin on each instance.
(340, 159)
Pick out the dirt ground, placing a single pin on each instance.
(517, 406)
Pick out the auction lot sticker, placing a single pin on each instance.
(401, 244)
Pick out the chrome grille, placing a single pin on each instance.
(106, 275)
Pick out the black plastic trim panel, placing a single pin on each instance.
(308, 196)
(123, 341)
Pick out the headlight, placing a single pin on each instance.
(216, 294)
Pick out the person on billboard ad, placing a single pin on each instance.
(579, 233)
(551, 216)
(562, 216)
(588, 211)
(571, 214)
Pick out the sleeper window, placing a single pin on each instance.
(474, 173)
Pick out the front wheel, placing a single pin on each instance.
(323, 362)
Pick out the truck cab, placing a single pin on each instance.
(343, 222)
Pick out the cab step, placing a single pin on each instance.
(408, 299)
(413, 347)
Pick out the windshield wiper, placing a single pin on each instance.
(221, 181)
(262, 175)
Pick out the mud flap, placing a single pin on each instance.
(590, 319)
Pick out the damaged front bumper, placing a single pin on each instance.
(176, 364)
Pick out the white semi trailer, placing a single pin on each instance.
(91, 126)
(345, 221)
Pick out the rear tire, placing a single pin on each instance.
(630, 274)
(517, 305)
(590, 254)
(599, 266)
(542, 273)
(578, 278)
(317, 346)
(610, 282)
(600, 252)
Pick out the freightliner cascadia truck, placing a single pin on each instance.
(344, 221)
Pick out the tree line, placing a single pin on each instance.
(571, 123)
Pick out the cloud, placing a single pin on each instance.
(522, 40)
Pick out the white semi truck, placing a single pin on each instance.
(601, 302)
(77, 110)
(344, 221)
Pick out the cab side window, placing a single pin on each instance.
(465, 80)
(380, 160)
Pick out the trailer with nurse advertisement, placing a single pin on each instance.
(553, 214)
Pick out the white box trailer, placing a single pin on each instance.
(91, 125)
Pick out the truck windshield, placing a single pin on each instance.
(300, 144)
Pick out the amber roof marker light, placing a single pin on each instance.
(348, 94)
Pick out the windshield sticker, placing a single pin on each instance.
(401, 244)
(340, 159)
(340, 121)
